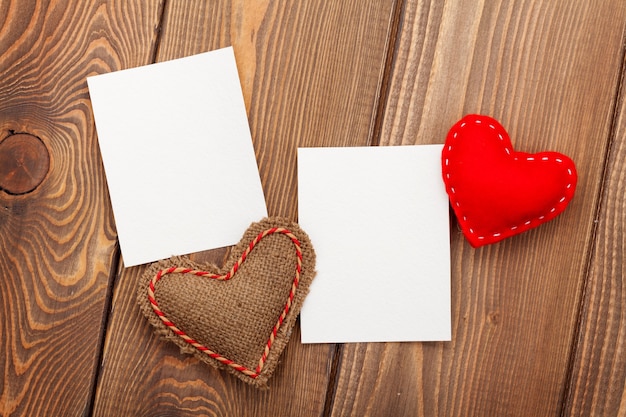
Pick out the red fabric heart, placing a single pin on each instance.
(497, 192)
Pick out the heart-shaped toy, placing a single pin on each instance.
(497, 192)
(238, 318)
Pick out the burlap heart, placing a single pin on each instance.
(238, 318)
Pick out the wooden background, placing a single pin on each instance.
(539, 320)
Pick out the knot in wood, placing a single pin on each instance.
(493, 318)
(24, 163)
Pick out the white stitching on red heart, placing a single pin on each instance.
(508, 152)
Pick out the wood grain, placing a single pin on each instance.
(538, 320)
(310, 73)
(58, 242)
(598, 386)
(536, 66)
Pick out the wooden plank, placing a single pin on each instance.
(598, 386)
(539, 68)
(57, 238)
(311, 73)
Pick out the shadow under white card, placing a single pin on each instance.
(378, 218)
(178, 155)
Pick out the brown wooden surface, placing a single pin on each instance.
(58, 242)
(514, 304)
(538, 320)
(599, 368)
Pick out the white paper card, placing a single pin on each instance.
(378, 220)
(178, 155)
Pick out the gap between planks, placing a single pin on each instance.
(114, 273)
(617, 104)
(158, 32)
(116, 263)
(375, 136)
(385, 80)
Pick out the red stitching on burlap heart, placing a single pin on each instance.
(497, 192)
(289, 309)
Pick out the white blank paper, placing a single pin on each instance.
(378, 220)
(178, 156)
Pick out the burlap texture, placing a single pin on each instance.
(235, 318)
